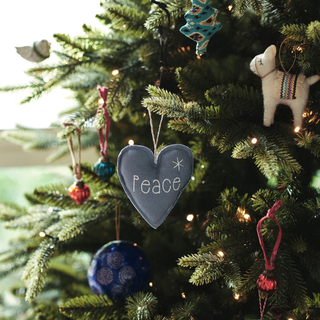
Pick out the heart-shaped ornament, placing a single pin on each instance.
(154, 188)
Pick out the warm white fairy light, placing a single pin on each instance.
(254, 140)
(101, 101)
(42, 234)
(296, 129)
(131, 142)
(230, 7)
(246, 216)
(183, 295)
(236, 296)
(190, 217)
(221, 254)
(150, 284)
(115, 72)
(193, 178)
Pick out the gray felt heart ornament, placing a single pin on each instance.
(154, 188)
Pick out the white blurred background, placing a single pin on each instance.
(21, 23)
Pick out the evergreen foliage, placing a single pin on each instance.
(205, 268)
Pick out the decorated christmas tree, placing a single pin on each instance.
(225, 95)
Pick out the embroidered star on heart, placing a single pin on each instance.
(201, 24)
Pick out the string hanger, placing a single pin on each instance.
(163, 58)
(267, 282)
(76, 166)
(295, 57)
(270, 215)
(103, 139)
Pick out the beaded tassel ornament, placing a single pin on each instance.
(267, 282)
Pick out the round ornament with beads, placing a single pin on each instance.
(119, 269)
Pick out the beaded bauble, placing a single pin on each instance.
(267, 282)
(79, 192)
(119, 269)
(104, 169)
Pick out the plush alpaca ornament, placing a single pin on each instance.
(281, 87)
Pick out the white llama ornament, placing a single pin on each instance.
(281, 87)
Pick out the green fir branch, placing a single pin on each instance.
(241, 6)
(121, 17)
(313, 32)
(36, 268)
(296, 32)
(176, 8)
(11, 211)
(80, 223)
(90, 307)
(194, 260)
(141, 306)
(49, 310)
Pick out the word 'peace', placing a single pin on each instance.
(166, 185)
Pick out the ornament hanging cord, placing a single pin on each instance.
(76, 167)
(295, 57)
(104, 144)
(164, 52)
(155, 141)
(117, 219)
(269, 265)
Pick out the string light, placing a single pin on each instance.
(221, 254)
(150, 284)
(135, 244)
(254, 140)
(296, 129)
(193, 178)
(230, 7)
(42, 234)
(183, 295)
(101, 101)
(242, 215)
(190, 217)
(115, 72)
(131, 142)
(236, 296)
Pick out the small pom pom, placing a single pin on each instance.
(267, 282)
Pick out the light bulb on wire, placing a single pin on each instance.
(190, 217)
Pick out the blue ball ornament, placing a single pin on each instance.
(119, 269)
(104, 169)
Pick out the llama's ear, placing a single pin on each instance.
(270, 52)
